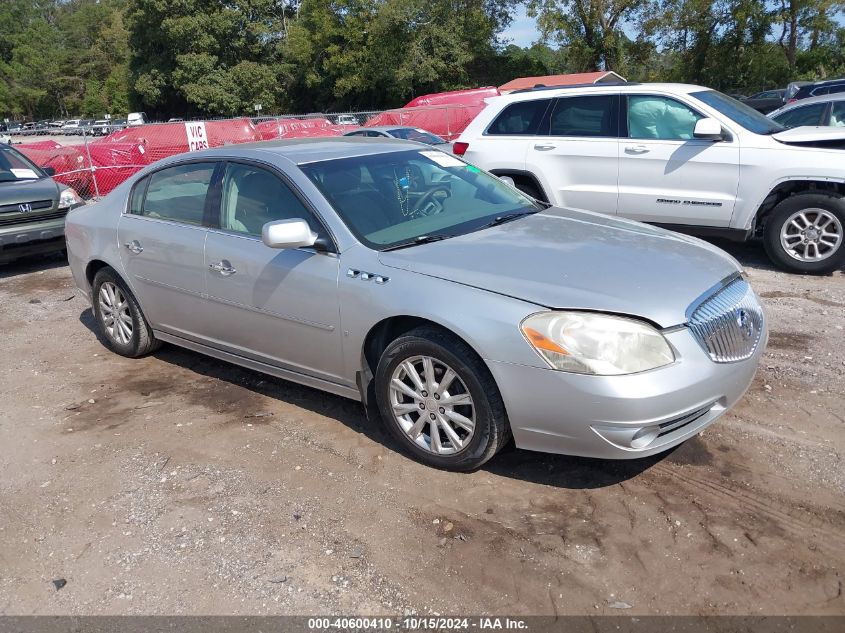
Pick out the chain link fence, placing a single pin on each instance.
(95, 158)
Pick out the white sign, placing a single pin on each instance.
(197, 138)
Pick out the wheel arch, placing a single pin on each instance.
(522, 176)
(787, 188)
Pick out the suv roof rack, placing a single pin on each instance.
(539, 87)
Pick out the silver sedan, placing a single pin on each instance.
(462, 311)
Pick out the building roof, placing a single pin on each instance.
(522, 83)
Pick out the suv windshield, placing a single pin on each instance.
(15, 166)
(402, 198)
(738, 112)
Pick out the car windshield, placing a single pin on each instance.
(738, 112)
(403, 198)
(413, 134)
(14, 166)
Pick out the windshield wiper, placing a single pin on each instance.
(508, 217)
(422, 239)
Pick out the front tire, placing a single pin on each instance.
(438, 399)
(804, 233)
(120, 322)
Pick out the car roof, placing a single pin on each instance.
(311, 150)
(617, 88)
(837, 96)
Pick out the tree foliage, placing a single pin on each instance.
(207, 57)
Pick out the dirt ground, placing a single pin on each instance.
(181, 484)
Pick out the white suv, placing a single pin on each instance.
(685, 157)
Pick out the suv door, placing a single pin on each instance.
(162, 236)
(668, 176)
(276, 306)
(575, 154)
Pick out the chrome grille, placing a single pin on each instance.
(728, 324)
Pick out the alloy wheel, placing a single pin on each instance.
(811, 235)
(432, 405)
(115, 314)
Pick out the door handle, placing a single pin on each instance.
(134, 246)
(223, 267)
(636, 149)
(544, 147)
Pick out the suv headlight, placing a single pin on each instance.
(68, 199)
(598, 344)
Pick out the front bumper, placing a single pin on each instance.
(18, 240)
(622, 417)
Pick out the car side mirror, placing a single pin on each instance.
(708, 129)
(288, 234)
(50, 171)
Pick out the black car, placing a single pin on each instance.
(820, 88)
(766, 101)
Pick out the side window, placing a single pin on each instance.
(836, 89)
(818, 92)
(253, 196)
(521, 118)
(805, 115)
(373, 134)
(653, 117)
(584, 116)
(136, 198)
(837, 116)
(178, 193)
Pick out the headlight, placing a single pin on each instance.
(599, 344)
(68, 199)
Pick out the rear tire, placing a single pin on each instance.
(120, 323)
(804, 233)
(435, 404)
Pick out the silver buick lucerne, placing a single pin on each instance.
(398, 275)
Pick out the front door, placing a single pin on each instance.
(668, 176)
(277, 306)
(161, 239)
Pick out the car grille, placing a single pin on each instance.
(670, 426)
(34, 206)
(29, 218)
(728, 324)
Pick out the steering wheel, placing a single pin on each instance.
(428, 197)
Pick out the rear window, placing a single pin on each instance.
(519, 119)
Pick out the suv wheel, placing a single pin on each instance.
(806, 233)
(120, 322)
(440, 402)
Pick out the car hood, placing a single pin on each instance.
(17, 192)
(561, 258)
(808, 134)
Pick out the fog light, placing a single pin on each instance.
(645, 436)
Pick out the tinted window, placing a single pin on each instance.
(817, 92)
(178, 193)
(136, 198)
(835, 89)
(394, 198)
(653, 117)
(413, 134)
(805, 115)
(837, 117)
(584, 116)
(520, 118)
(252, 197)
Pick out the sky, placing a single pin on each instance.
(523, 30)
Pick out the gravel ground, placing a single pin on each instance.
(181, 484)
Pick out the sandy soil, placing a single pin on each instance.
(180, 484)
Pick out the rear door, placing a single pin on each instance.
(162, 237)
(668, 176)
(576, 153)
(277, 306)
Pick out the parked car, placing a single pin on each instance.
(347, 119)
(820, 88)
(5, 139)
(405, 133)
(70, 127)
(136, 118)
(460, 309)
(28, 129)
(56, 126)
(686, 157)
(32, 207)
(100, 127)
(826, 110)
(766, 101)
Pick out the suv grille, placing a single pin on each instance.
(34, 206)
(29, 218)
(729, 323)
